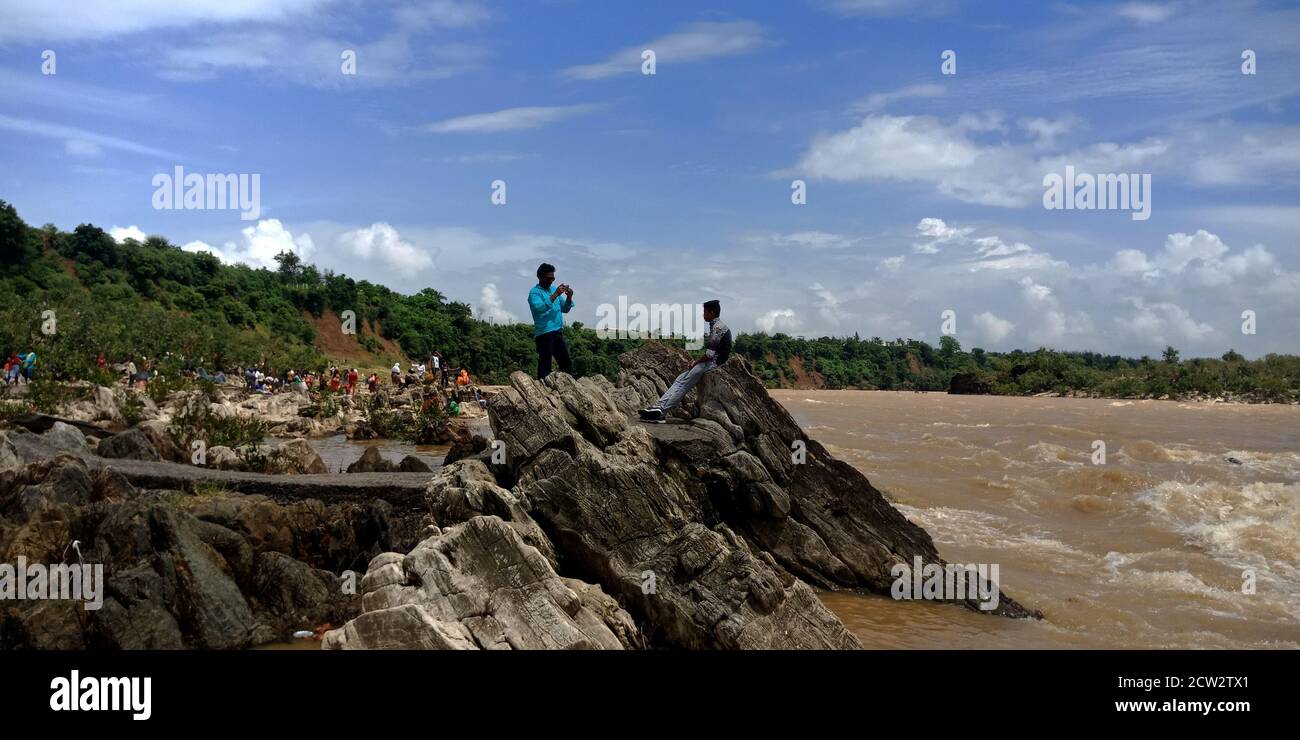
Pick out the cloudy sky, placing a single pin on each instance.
(924, 189)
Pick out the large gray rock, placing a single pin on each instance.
(296, 456)
(215, 571)
(818, 517)
(372, 461)
(133, 444)
(66, 438)
(9, 459)
(708, 529)
(477, 585)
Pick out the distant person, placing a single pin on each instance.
(29, 366)
(717, 348)
(442, 368)
(373, 382)
(11, 370)
(548, 320)
(130, 372)
(100, 362)
(352, 381)
(397, 373)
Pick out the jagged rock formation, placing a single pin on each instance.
(216, 572)
(373, 461)
(707, 531)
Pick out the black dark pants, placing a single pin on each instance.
(548, 345)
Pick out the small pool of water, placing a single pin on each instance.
(338, 452)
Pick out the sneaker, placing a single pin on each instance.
(652, 413)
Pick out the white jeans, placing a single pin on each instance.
(683, 385)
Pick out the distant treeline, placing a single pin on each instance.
(187, 309)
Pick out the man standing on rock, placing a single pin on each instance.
(548, 320)
(717, 348)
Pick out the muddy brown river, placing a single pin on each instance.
(1155, 548)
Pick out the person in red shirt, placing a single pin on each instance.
(352, 381)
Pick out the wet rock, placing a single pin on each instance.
(372, 461)
(413, 464)
(298, 596)
(464, 444)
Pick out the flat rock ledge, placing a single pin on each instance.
(600, 531)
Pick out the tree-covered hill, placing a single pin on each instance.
(184, 309)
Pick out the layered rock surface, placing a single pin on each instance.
(708, 531)
(217, 571)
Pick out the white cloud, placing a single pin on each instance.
(991, 328)
(441, 14)
(1146, 13)
(120, 234)
(315, 60)
(258, 245)
(937, 232)
(510, 119)
(1046, 130)
(690, 43)
(777, 320)
(828, 305)
(1131, 261)
(1035, 292)
(491, 308)
(892, 264)
(82, 148)
(81, 19)
(878, 101)
(1159, 324)
(801, 240)
(85, 138)
(884, 7)
(1183, 249)
(381, 243)
(924, 150)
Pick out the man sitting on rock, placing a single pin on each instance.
(717, 348)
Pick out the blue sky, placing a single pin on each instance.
(924, 189)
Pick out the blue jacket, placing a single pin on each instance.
(548, 315)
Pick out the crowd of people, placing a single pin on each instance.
(20, 368)
(435, 372)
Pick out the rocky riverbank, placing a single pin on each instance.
(706, 532)
(583, 528)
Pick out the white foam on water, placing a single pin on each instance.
(1252, 526)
